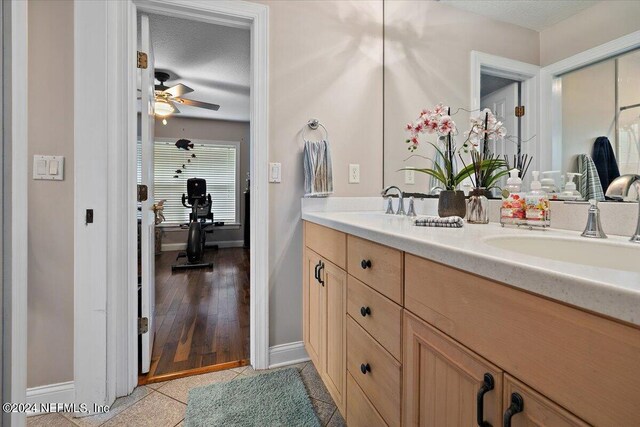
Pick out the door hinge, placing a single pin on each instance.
(520, 111)
(143, 325)
(143, 192)
(143, 60)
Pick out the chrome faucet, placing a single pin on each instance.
(594, 228)
(620, 189)
(384, 193)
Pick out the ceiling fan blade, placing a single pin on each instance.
(175, 107)
(178, 90)
(191, 102)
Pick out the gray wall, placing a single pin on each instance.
(213, 130)
(50, 246)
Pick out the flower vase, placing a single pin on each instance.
(478, 207)
(452, 203)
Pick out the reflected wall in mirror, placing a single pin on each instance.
(429, 58)
(601, 115)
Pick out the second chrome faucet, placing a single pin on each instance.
(411, 212)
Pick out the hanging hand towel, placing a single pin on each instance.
(605, 161)
(318, 178)
(590, 186)
(436, 221)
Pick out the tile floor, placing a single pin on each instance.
(164, 404)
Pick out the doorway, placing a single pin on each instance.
(194, 137)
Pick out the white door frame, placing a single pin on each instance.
(526, 73)
(17, 358)
(105, 344)
(551, 90)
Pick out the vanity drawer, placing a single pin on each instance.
(329, 243)
(360, 412)
(583, 362)
(381, 380)
(378, 315)
(376, 265)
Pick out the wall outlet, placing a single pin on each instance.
(275, 172)
(409, 176)
(354, 173)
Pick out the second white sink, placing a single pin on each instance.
(594, 253)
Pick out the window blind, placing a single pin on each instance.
(215, 162)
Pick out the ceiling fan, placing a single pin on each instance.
(166, 97)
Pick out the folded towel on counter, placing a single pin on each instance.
(589, 180)
(605, 161)
(318, 177)
(436, 221)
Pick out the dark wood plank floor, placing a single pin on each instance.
(202, 315)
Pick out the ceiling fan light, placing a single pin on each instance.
(163, 108)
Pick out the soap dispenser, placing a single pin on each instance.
(570, 192)
(512, 210)
(537, 204)
(549, 183)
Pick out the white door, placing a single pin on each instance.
(503, 104)
(148, 217)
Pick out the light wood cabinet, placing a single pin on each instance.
(360, 411)
(324, 307)
(442, 380)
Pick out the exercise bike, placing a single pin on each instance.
(200, 219)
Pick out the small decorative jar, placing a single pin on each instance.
(478, 207)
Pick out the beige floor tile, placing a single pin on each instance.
(49, 420)
(337, 420)
(323, 410)
(156, 386)
(249, 371)
(118, 406)
(154, 410)
(179, 389)
(315, 386)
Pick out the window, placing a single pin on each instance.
(217, 162)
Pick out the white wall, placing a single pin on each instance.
(427, 60)
(325, 61)
(588, 110)
(50, 279)
(213, 130)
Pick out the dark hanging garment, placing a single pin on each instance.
(605, 161)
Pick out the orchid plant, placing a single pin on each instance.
(438, 121)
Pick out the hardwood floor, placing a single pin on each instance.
(202, 315)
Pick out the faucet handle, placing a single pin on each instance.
(594, 228)
(411, 212)
(389, 210)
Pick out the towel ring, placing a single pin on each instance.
(314, 124)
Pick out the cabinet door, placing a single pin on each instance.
(313, 309)
(442, 380)
(537, 410)
(335, 289)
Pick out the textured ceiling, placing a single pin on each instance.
(211, 59)
(533, 14)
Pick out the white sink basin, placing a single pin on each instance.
(594, 253)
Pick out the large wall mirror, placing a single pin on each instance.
(562, 77)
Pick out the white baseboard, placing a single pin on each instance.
(287, 354)
(51, 393)
(222, 244)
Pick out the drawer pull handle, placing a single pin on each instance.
(365, 368)
(320, 268)
(487, 385)
(365, 263)
(317, 273)
(517, 405)
(364, 311)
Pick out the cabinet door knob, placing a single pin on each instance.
(364, 311)
(317, 273)
(365, 368)
(365, 263)
(487, 385)
(517, 405)
(320, 268)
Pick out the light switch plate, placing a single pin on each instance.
(48, 168)
(354, 173)
(409, 176)
(275, 172)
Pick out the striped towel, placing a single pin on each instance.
(318, 178)
(590, 186)
(436, 221)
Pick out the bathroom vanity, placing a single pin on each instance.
(422, 326)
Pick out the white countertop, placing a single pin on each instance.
(614, 293)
